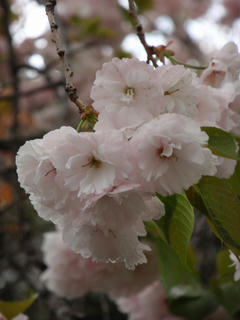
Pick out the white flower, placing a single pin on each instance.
(109, 226)
(36, 169)
(93, 162)
(70, 275)
(154, 209)
(225, 168)
(224, 66)
(236, 264)
(181, 90)
(58, 214)
(127, 120)
(127, 86)
(209, 108)
(149, 304)
(171, 154)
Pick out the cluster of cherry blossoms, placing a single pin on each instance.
(70, 275)
(138, 293)
(99, 187)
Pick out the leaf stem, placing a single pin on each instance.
(175, 62)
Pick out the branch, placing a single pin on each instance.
(33, 91)
(61, 51)
(12, 63)
(139, 29)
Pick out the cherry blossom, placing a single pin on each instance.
(171, 153)
(225, 167)
(224, 66)
(93, 162)
(149, 304)
(209, 107)
(180, 88)
(109, 226)
(70, 275)
(128, 86)
(38, 175)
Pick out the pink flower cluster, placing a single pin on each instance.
(70, 275)
(138, 293)
(99, 187)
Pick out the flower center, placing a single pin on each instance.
(130, 91)
(170, 91)
(93, 162)
(50, 171)
(163, 156)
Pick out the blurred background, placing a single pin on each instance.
(33, 101)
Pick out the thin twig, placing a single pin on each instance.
(61, 51)
(140, 33)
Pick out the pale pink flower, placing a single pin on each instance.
(58, 213)
(236, 264)
(69, 275)
(155, 209)
(127, 86)
(93, 162)
(150, 304)
(234, 106)
(36, 171)
(2, 317)
(106, 245)
(171, 154)
(127, 120)
(227, 98)
(181, 90)
(209, 108)
(109, 226)
(38, 174)
(224, 66)
(225, 168)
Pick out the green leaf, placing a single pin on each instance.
(221, 143)
(12, 309)
(196, 201)
(177, 223)
(234, 180)
(225, 268)
(173, 272)
(192, 303)
(154, 231)
(229, 296)
(192, 260)
(223, 208)
(185, 295)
